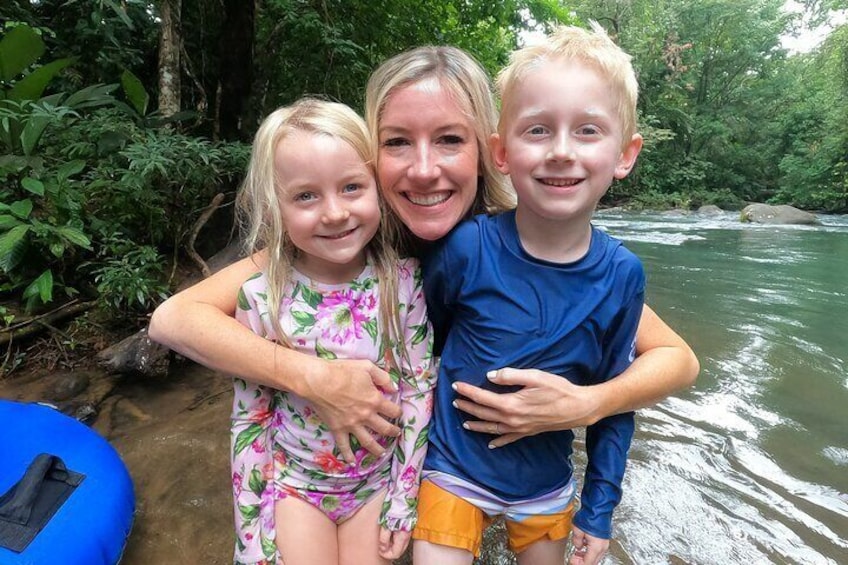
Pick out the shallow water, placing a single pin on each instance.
(751, 465)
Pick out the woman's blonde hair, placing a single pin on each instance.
(593, 48)
(258, 208)
(468, 84)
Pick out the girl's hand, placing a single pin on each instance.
(346, 395)
(588, 550)
(546, 403)
(393, 544)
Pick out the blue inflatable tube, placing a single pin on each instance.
(92, 525)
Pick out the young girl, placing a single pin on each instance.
(330, 284)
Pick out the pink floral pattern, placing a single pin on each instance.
(279, 445)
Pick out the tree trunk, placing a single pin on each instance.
(169, 57)
(236, 52)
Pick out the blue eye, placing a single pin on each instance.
(587, 130)
(304, 197)
(352, 187)
(537, 130)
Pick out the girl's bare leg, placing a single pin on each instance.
(359, 535)
(304, 533)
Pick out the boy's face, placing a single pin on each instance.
(561, 141)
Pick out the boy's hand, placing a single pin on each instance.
(393, 544)
(588, 550)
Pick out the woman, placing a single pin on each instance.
(430, 111)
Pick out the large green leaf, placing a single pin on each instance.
(21, 208)
(20, 48)
(8, 222)
(74, 236)
(42, 287)
(32, 86)
(91, 96)
(32, 185)
(135, 92)
(32, 133)
(12, 246)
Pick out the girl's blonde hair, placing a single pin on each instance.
(593, 48)
(469, 86)
(258, 208)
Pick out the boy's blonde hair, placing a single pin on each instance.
(258, 207)
(469, 86)
(593, 48)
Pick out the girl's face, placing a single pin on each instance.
(329, 203)
(428, 161)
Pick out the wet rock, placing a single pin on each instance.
(782, 214)
(710, 209)
(137, 354)
(67, 385)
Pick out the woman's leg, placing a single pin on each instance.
(304, 533)
(358, 536)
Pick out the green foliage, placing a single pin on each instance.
(83, 182)
(129, 277)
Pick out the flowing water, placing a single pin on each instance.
(749, 466)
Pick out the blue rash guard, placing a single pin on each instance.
(501, 308)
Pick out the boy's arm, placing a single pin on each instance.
(416, 384)
(199, 323)
(608, 440)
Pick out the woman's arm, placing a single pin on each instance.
(665, 364)
(199, 323)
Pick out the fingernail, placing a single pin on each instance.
(491, 375)
(454, 404)
(492, 446)
(466, 426)
(453, 386)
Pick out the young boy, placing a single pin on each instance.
(541, 288)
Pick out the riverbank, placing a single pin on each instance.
(173, 436)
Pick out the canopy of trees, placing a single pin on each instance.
(121, 121)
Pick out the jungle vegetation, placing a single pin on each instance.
(125, 125)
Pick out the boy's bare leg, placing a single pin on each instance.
(544, 552)
(426, 553)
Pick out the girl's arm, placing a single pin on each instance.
(665, 364)
(199, 323)
(416, 384)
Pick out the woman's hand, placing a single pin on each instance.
(393, 544)
(546, 403)
(348, 397)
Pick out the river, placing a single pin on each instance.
(750, 466)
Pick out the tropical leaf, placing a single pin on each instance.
(32, 185)
(19, 48)
(12, 246)
(32, 86)
(74, 235)
(135, 92)
(21, 208)
(42, 287)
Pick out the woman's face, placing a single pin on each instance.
(428, 158)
